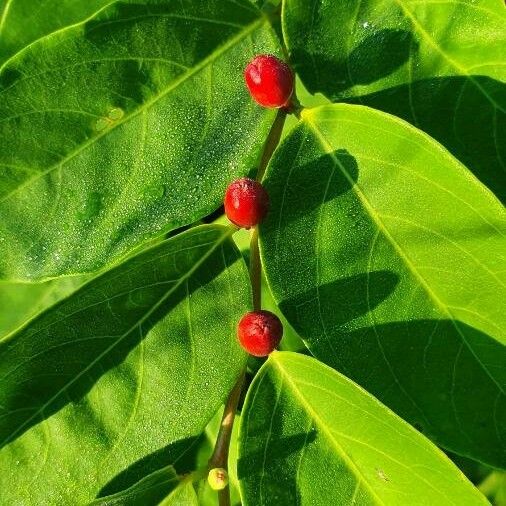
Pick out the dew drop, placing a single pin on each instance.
(116, 114)
(155, 192)
(102, 123)
(92, 207)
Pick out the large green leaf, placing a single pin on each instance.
(22, 22)
(123, 375)
(149, 143)
(311, 436)
(388, 257)
(438, 64)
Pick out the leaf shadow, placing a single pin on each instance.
(426, 370)
(64, 374)
(341, 300)
(465, 114)
(376, 56)
(182, 455)
(314, 178)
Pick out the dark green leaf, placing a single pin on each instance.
(388, 257)
(124, 374)
(149, 143)
(437, 64)
(311, 436)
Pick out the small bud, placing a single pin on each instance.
(217, 478)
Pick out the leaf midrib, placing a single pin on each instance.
(327, 147)
(316, 417)
(243, 34)
(428, 38)
(219, 241)
(295, 386)
(5, 11)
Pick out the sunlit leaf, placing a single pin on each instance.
(437, 64)
(388, 257)
(311, 436)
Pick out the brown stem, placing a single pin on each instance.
(272, 142)
(255, 270)
(219, 457)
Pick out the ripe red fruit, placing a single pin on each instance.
(269, 80)
(260, 332)
(246, 202)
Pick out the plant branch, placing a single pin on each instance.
(255, 270)
(219, 457)
(272, 142)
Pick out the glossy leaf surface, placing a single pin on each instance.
(124, 126)
(388, 257)
(118, 380)
(437, 64)
(311, 436)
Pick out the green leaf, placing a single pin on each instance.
(21, 23)
(124, 374)
(311, 436)
(20, 302)
(388, 258)
(150, 143)
(183, 495)
(419, 59)
(150, 490)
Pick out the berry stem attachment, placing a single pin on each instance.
(219, 457)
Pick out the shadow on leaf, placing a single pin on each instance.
(465, 114)
(375, 57)
(425, 370)
(181, 455)
(263, 433)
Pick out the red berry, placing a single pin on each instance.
(260, 332)
(270, 81)
(246, 202)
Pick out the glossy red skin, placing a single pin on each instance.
(246, 202)
(270, 81)
(260, 332)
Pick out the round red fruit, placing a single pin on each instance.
(270, 81)
(246, 202)
(260, 332)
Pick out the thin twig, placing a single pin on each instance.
(255, 270)
(272, 142)
(219, 457)
(220, 454)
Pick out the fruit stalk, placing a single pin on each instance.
(219, 457)
(272, 142)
